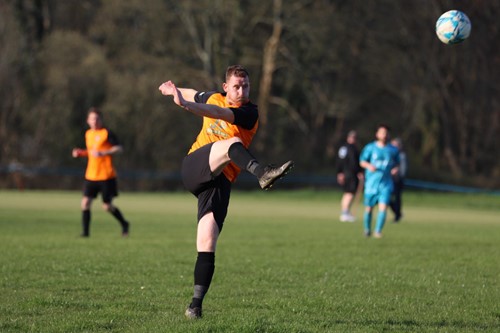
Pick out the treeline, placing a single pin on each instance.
(318, 68)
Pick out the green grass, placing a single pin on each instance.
(284, 264)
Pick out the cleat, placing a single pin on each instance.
(125, 230)
(367, 233)
(273, 173)
(347, 218)
(193, 313)
(377, 235)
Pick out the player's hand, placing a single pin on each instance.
(77, 152)
(169, 89)
(340, 178)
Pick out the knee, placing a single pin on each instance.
(234, 140)
(222, 147)
(206, 245)
(85, 204)
(229, 144)
(207, 234)
(107, 207)
(206, 241)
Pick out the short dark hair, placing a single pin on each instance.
(384, 126)
(236, 70)
(95, 110)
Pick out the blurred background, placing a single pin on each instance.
(318, 69)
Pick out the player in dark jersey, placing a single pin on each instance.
(214, 161)
(100, 175)
(399, 181)
(349, 174)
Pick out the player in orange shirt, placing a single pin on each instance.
(214, 161)
(100, 175)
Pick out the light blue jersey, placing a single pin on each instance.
(378, 183)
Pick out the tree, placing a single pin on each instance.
(318, 69)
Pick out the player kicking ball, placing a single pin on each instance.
(220, 151)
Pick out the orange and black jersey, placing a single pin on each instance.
(101, 167)
(245, 116)
(246, 122)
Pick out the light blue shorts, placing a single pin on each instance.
(381, 197)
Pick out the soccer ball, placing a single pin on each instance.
(453, 27)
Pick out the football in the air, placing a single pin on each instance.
(453, 27)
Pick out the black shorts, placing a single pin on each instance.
(350, 184)
(212, 192)
(108, 189)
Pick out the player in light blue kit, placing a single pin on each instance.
(380, 161)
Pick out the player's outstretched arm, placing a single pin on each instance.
(77, 152)
(200, 109)
(167, 88)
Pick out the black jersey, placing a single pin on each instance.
(348, 160)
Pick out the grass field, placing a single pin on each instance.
(284, 264)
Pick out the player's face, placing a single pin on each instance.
(237, 90)
(94, 121)
(382, 134)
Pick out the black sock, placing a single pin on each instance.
(118, 215)
(86, 222)
(240, 156)
(203, 273)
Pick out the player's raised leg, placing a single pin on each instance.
(223, 152)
